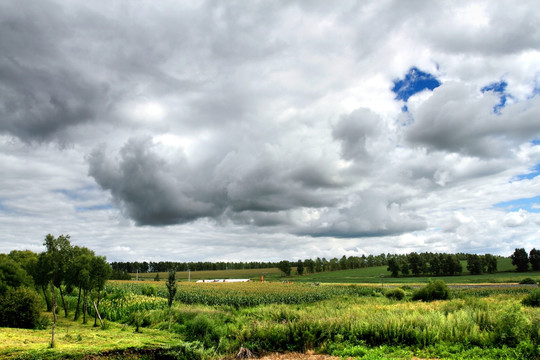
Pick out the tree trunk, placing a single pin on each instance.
(63, 301)
(54, 313)
(97, 314)
(84, 306)
(78, 306)
(47, 300)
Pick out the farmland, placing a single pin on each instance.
(214, 320)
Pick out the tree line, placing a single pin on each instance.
(62, 268)
(121, 268)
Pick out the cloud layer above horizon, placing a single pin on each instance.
(270, 130)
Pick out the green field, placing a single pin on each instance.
(348, 321)
(346, 314)
(371, 275)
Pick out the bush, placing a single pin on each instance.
(527, 281)
(20, 308)
(148, 290)
(396, 294)
(532, 299)
(434, 290)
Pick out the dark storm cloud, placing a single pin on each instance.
(153, 190)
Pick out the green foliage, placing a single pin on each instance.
(520, 259)
(20, 307)
(204, 329)
(395, 294)
(285, 267)
(12, 275)
(156, 278)
(534, 259)
(148, 290)
(434, 290)
(532, 299)
(171, 286)
(528, 280)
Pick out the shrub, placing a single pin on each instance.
(527, 281)
(434, 290)
(148, 290)
(20, 308)
(396, 294)
(532, 299)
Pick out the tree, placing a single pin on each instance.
(100, 271)
(474, 264)
(285, 267)
(490, 262)
(534, 259)
(79, 274)
(310, 266)
(520, 260)
(414, 263)
(404, 267)
(318, 265)
(12, 275)
(300, 267)
(393, 267)
(171, 289)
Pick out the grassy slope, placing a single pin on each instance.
(76, 339)
(373, 275)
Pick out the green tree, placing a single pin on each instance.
(393, 267)
(414, 263)
(474, 264)
(318, 265)
(300, 267)
(171, 289)
(42, 277)
(285, 267)
(534, 259)
(79, 274)
(100, 271)
(310, 266)
(404, 267)
(520, 260)
(12, 275)
(490, 262)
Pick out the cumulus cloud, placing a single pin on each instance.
(299, 128)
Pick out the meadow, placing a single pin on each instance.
(343, 319)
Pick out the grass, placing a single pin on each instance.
(493, 325)
(73, 339)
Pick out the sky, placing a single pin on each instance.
(269, 130)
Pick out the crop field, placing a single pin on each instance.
(253, 274)
(214, 320)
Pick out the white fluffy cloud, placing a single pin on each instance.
(233, 131)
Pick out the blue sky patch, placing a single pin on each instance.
(500, 88)
(534, 172)
(528, 204)
(414, 82)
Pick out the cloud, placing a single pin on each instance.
(458, 118)
(268, 129)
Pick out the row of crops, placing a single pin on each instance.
(236, 294)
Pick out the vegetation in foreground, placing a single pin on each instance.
(156, 319)
(352, 321)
